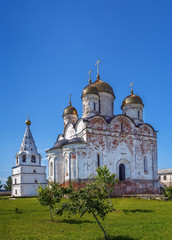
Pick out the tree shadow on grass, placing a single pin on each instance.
(72, 221)
(119, 238)
(137, 210)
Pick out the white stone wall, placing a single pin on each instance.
(134, 111)
(90, 105)
(69, 118)
(106, 104)
(166, 179)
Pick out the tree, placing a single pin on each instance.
(89, 199)
(0, 185)
(8, 184)
(50, 195)
(168, 192)
(106, 180)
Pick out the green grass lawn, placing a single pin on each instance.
(133, 219)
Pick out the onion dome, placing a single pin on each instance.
(102, 86)
(90, 90)
(28, 122)
(132, 99)
(70, 110)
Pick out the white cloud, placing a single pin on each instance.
(3, 179)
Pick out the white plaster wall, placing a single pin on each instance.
(106, 104)
(30, 189)
(16, 188)
(69, 118)
(59, 168)
(88, 105)
(69, 131)
(132, 111)
(168, 181)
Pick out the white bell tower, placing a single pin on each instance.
(28, 172)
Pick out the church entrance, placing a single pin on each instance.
(122, 172)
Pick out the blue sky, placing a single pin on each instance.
(47, 49)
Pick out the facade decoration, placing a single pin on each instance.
(124, 142)
(28, 172)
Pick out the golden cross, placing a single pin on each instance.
(89, 74)
(97, 63)
(131, 85)
(70, 99)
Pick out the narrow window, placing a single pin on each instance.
(31, 149)
(122, 127)
(15, 181)
(99, 106)
(33, 159)
(17, 159)
(145, 164)
(159, 177)
(165, 178)
(34, 171)
(36, 181)
(98, 160)
(15, 191)
(24, 158)
(138, 114)
(51, 169)
(122, 172)
(94, 106)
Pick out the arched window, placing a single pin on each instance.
(34, 171)
(94, 105)
(17, 159)
(33, 159)
(138, 114)
(24, 158)
(165, 178)
(122, 127)
(36, 181)
(15, 181)
(145, 164)
(122, 172)
(51, 169)
(98, 160)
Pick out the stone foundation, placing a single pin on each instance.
(125, 187)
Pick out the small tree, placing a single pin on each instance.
(168, 192)
(49, 196)
(89, 199)
(8, 184)
(106, 180)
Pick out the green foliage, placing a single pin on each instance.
(8, 184)
(106, 180)
(168, 192)
(89, 199)
(50, 195)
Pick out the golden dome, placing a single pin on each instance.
(102, 86)
(90, 90)
(132, 99)
(70, 110)
(28, 122)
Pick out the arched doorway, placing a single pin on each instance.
(122, 172)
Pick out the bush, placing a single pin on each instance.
(168, 192)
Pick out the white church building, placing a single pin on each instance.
(28, 172)
(123, 142)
